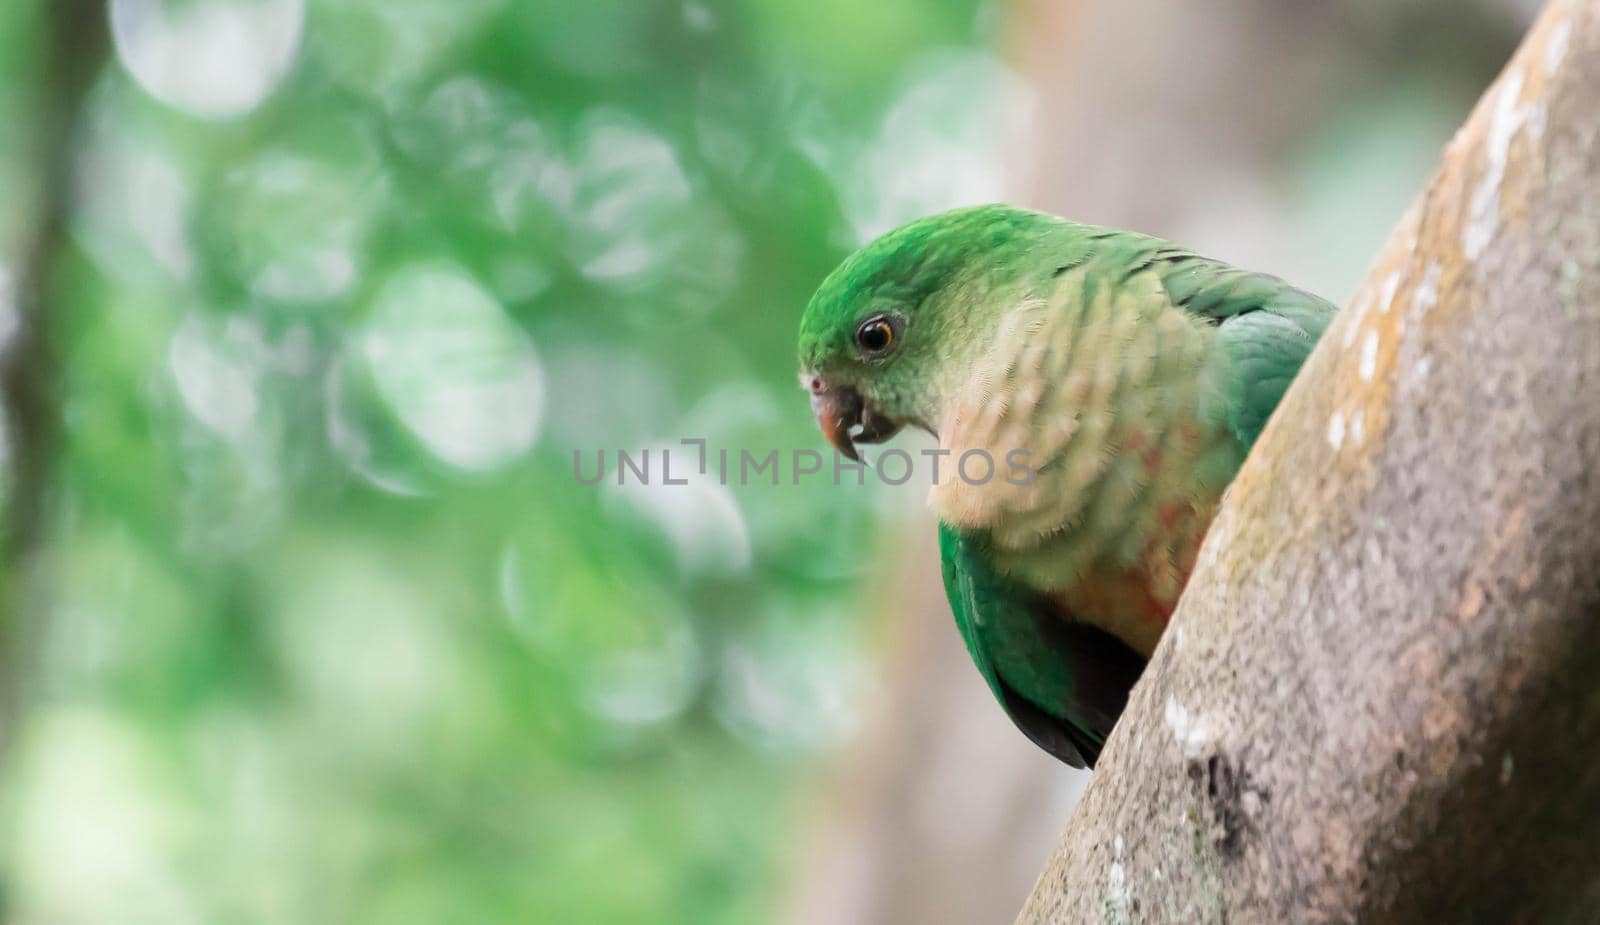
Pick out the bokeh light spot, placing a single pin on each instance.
(454, 368)
(218, 385)
(215, 59)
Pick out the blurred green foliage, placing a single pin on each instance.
(336, 635)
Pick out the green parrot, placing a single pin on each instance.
(1107, 383)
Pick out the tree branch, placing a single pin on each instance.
(1380, 697)
(75, 40)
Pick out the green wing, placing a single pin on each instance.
(1064, 683)
(1264, 325)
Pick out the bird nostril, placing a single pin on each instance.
(815, 384)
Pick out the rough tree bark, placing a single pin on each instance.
(1380, 697)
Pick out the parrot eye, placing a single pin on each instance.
(876, 334)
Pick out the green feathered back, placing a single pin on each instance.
(1265, 326)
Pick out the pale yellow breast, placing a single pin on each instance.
(1104, 397)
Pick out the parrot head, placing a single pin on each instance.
(900, 320)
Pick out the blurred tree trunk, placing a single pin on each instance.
(941, 810)
(1153, 114)
(1181, 119)
(1378, 700)
(74, 42)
